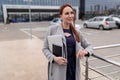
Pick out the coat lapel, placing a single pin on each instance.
(60, 32)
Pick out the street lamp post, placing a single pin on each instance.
(29, 10)
(82, 9)
(30, 17)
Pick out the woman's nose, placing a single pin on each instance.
(70, 15)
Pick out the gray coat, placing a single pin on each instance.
(58, 72)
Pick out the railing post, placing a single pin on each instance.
(86, 69)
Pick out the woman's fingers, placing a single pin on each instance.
(81, 53)
(60, 60)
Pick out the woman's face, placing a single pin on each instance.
(67, 15)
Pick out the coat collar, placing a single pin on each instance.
(60, 32)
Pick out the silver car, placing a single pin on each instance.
(55, 21)
(100, 22)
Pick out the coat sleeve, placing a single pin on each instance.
(85, 44)
(45, 48)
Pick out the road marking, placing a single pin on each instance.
(34, 29)
(107, 46)
(29, 34)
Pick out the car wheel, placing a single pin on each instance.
(101, 27)
(85, 25)
(118, 25)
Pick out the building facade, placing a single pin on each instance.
(102, 7)
(101, 4)
(19, 10)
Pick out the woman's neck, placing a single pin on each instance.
(65, 26)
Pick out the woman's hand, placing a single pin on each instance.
(81, 53)
(60, 60)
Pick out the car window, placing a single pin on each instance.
(109, 19)
(100, 19)
(118, 16)
(95, 19)
(91, 19)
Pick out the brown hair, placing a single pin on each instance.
(71, 26)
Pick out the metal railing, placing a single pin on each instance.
(99, 72)
(106, 63)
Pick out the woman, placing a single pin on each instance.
(75, 47)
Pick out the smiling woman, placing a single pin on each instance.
(75, 47)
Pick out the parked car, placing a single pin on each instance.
(100, 22)
(58, 21)
(117, 20)
(55, 21)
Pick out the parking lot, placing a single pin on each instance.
(98, 38)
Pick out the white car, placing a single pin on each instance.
(58, 21)
(100, 22)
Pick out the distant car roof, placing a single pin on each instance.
(55, 21)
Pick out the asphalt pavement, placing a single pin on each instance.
(21, 56)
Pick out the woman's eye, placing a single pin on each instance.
(72, 12)
(67, 13)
